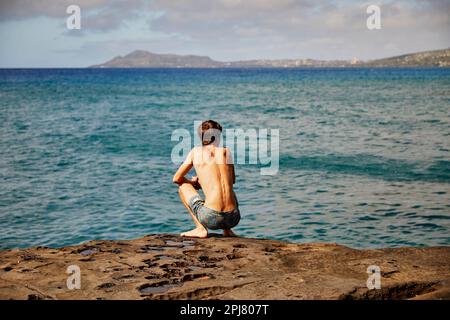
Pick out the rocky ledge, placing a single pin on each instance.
(170, 267)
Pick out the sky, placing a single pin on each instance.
(33, 33)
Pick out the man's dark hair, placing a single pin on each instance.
(209, 131)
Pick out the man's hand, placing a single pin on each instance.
(195, 183)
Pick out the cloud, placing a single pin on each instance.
(331, 29)
(23, 9)
(242, 29)
(97, 15)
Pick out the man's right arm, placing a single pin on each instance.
(230, 164)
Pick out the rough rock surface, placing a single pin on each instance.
(170, 267)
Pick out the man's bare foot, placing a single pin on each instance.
(228, 233)
(198, 232)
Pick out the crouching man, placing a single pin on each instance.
(215, 176)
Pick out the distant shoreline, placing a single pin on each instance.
(226, 68)
(145, 59)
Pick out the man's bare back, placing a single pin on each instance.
(215, 173)
(215, 176)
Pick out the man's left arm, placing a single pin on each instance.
(179, 177)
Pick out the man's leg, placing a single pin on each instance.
(186, 192)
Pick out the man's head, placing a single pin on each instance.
(209, 132)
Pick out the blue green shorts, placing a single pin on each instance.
(213, 219)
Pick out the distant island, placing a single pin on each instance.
(145, 59)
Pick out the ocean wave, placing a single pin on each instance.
(370, 165)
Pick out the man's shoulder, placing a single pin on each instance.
(225, 149)
(196, 149)
(196, 153)
(199, 149)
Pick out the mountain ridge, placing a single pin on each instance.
(146, 59)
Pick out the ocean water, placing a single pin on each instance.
(364, 153)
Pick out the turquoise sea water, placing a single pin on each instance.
(364, 153)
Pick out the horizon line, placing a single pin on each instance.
(91, 66)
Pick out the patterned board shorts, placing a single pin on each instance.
(213, 219)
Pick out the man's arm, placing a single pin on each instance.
(229, 159)
(179, 177)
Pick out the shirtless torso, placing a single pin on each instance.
(215, 172)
